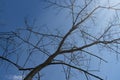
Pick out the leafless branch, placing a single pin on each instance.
(77, 69)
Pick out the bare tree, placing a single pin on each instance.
(72, 50)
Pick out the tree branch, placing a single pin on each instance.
(5, 59)
(88, 45)
(77, 69)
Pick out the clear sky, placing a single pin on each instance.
(12, 15)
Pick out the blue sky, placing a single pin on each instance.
(12, 15)
(13, 12)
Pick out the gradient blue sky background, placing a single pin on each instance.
(12, 15)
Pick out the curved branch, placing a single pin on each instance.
(77, 69)
(5, 59)
(91, 44)
(16, 65)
